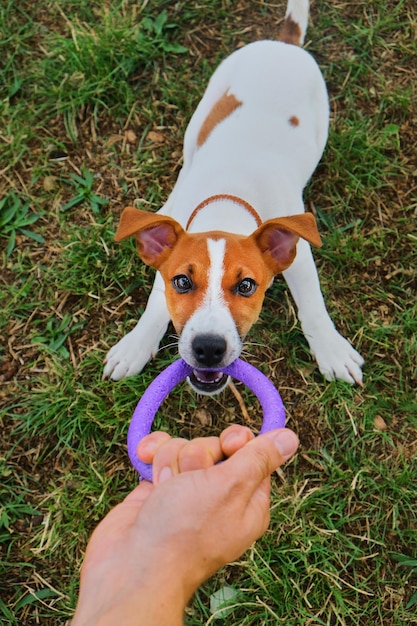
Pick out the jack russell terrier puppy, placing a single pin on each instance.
(235, 217)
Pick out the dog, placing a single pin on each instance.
(235, 217)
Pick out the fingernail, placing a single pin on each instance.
(146, 446)
(165, 474)
(231, 438)
(286, 443)
(145, 451)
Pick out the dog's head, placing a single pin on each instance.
(215, 282)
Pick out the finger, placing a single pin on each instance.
(166, 459)
(235, 437)
(200, 453)
(260, 457)
(148, 446)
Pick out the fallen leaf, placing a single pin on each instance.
(49, 183)
(204, 417)
(155, 137)
(130, 136)
(221, 597)
(380, 423)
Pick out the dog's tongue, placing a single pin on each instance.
(207, 376)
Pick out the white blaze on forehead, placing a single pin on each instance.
(213, 315)
(214, 294)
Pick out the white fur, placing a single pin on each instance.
(258, 155)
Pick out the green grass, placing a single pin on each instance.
(94, 100)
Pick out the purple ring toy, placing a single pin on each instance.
(155, 394)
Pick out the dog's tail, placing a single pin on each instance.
(295, 24)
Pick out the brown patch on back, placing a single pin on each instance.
(219, 112)
(294, 121)
(290, 32)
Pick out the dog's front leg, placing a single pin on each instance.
(130, 355)
(335, 356)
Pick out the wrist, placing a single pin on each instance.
(143, 605)
(147, 606)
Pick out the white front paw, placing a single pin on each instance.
(336, 358)
(128, 357)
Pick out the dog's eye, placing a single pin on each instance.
(246, 287)
(182, 283)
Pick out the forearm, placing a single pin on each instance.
(142, 585)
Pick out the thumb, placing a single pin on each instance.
(262, 456)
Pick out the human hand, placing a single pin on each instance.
(169, 537)
(175, 455)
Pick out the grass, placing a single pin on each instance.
(94, 100)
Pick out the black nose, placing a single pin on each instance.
(209, 350)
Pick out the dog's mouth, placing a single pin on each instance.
(208, 382)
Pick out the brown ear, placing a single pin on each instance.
(277, 238)
(155, 234)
